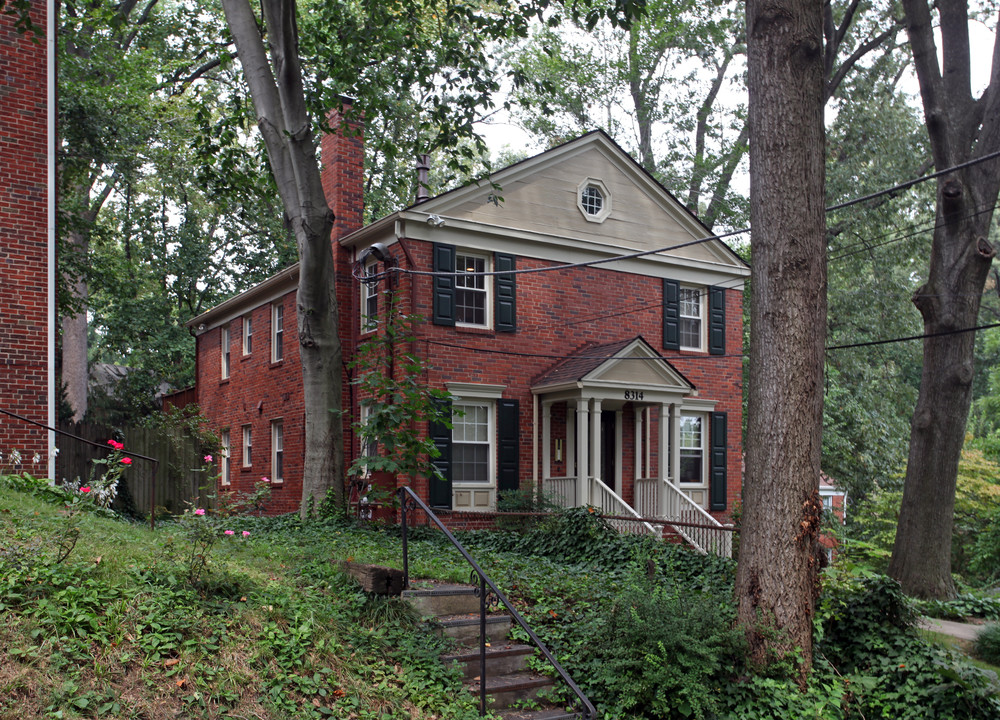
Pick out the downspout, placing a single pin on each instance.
(51, 106)
(534, 446)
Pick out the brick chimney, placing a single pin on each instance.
(342, 161)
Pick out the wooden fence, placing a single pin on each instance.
(181, 473)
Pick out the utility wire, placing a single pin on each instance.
(698, 241)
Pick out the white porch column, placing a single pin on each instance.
(546, 440)
(675, 443)
(595, 440)
(618, 453)
(582, 435)
(570, 440)
(663, 454)
(647, 431)
(638, 464)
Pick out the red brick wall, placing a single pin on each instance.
(256, 393)
(23, 237)
(560, 312)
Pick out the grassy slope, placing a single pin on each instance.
(118, 631)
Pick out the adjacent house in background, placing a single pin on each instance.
(590, 339)
(27, 237)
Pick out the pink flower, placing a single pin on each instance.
(116, 445)
(126, 461)
(199, 511)
(85, 489)
(229, 532)
(246, 533)
(208, 458)
(264, 478)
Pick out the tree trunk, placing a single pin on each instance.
(960, 128)
(776, 580)
(279, 100)
(75, 365)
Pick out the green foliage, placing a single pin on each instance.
(965, 605)
(987, 645)
(522, 500)
(396, 401)
(661, 649)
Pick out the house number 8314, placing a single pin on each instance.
(633, 394)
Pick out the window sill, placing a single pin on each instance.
(246, 357)
(474, 330)
(276, 363)
(224, 381)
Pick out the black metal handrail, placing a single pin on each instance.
(408, 502)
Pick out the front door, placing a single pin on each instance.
(608, 459)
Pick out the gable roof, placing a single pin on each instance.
(631, 360)
(539, 205)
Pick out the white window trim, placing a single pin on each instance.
(277, 429)
(275, 309)
(603, 189)
(702, 325)
(487, 287)
(247, 334)
(224, 355)
(491, 434)
(368, 291)
(247, 445)
(225, 468)
(703, 483)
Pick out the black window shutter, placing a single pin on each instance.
(505, 294)
(439, 494)
(717, 471)
(508, 430)
(444, 285)
(671, 315)
(716, 321)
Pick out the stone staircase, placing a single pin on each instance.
(455, 611)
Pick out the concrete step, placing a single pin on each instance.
(551, 714)
(500, 660)
(506, 690)
(443, 600)
(464, 628)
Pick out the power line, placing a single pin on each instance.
(697, 241)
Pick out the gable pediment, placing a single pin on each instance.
(541, 196)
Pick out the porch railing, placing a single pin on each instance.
(610, 503)
(485, 588)
(702, 531)
(560, 491)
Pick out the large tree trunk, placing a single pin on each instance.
(279, 100)
(960, 129)
(776, 580)
(75, 366)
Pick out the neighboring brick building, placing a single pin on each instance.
(26, 240)
(554, 370)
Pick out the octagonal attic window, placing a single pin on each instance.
(594, 200)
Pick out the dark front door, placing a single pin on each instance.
(608, 459)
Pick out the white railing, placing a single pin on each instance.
(647, 499)
(705, 534)
(610, 503)
(560, 491)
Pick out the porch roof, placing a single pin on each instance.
(631, 360)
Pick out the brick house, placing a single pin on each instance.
(584, 358)
(27, 239)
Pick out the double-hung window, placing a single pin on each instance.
(277, 451)
(225, 352)
(369, 297)
(692, 449)
(472, 433)
(247, 334)
(690, 318)
(471, 289)
(277, 332)
(247, 446)
(225, 471)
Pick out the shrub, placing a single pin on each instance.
(661, 650)
(987, 645)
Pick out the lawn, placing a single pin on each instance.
(259, 622)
